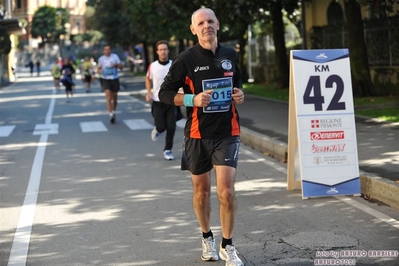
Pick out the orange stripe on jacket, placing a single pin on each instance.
(194, 129)
(235, 127)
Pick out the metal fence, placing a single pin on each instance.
(381, 37)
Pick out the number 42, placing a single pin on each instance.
(317, 99)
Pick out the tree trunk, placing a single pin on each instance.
(181, 45)
(279, 44)
(241, 56)
(361, 79)
(146, 57)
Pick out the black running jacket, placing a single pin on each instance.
(196, 70)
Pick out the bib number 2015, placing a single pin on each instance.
(313, 94)
(221, 94)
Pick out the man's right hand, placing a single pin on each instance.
(148, 97)
(203, 99)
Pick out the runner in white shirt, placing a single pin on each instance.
(108, 64)
(164, 114)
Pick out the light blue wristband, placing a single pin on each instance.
(188, 100)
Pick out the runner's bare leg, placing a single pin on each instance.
(201, 199)
(225, 178)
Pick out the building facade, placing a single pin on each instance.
(25, 9)
(13, 28)
(16, 17)
(323, 26)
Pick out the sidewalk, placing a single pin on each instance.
(264, 127)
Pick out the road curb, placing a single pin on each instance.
(371, 186)
(265, 144)
(379, 188)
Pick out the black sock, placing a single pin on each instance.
(226, 242)
(206, 235)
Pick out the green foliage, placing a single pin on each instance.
(92, 2)
(133, 21)
(387, 114)
(381, 100)
(264, 28)
(147, 21)
(90, 17)
(43, 22)
(267, 90)
(5, 43)
(383, 107)
(380, 8)
(49, 23)
(89, 54)
(23, 22)
(114, 21)
(91, 36)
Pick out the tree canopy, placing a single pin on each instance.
(49, 23)
(128, 22)
(147, 21)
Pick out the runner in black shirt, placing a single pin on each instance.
(211, 81)
(67, 71)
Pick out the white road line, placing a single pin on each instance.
(138, 124)
(371, 211)
(5, 131)
(45, 128)
(20, 245)
(50, 110)
(96, 126)
(379, 215)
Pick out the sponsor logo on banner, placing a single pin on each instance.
(321, 56)
(331, 160)
(332, 191)
(327, 135)
(328, 148)
(318, 160)
(314, 123)
(326, 123)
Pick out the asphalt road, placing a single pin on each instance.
(76, 190)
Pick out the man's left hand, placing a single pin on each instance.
(238, 95)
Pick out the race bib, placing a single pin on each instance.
(221, 96)
(109, 71)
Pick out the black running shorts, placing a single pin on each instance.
(111, 84)
(200, 155)
(87, 78)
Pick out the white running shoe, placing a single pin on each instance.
(229, 254)
(208, 249)
(155, 134)
(112, 117)
(167, 155)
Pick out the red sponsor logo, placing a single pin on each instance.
(228, 74)
(327, 135)
(326, 123)
(315, 123)
(328, 148)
